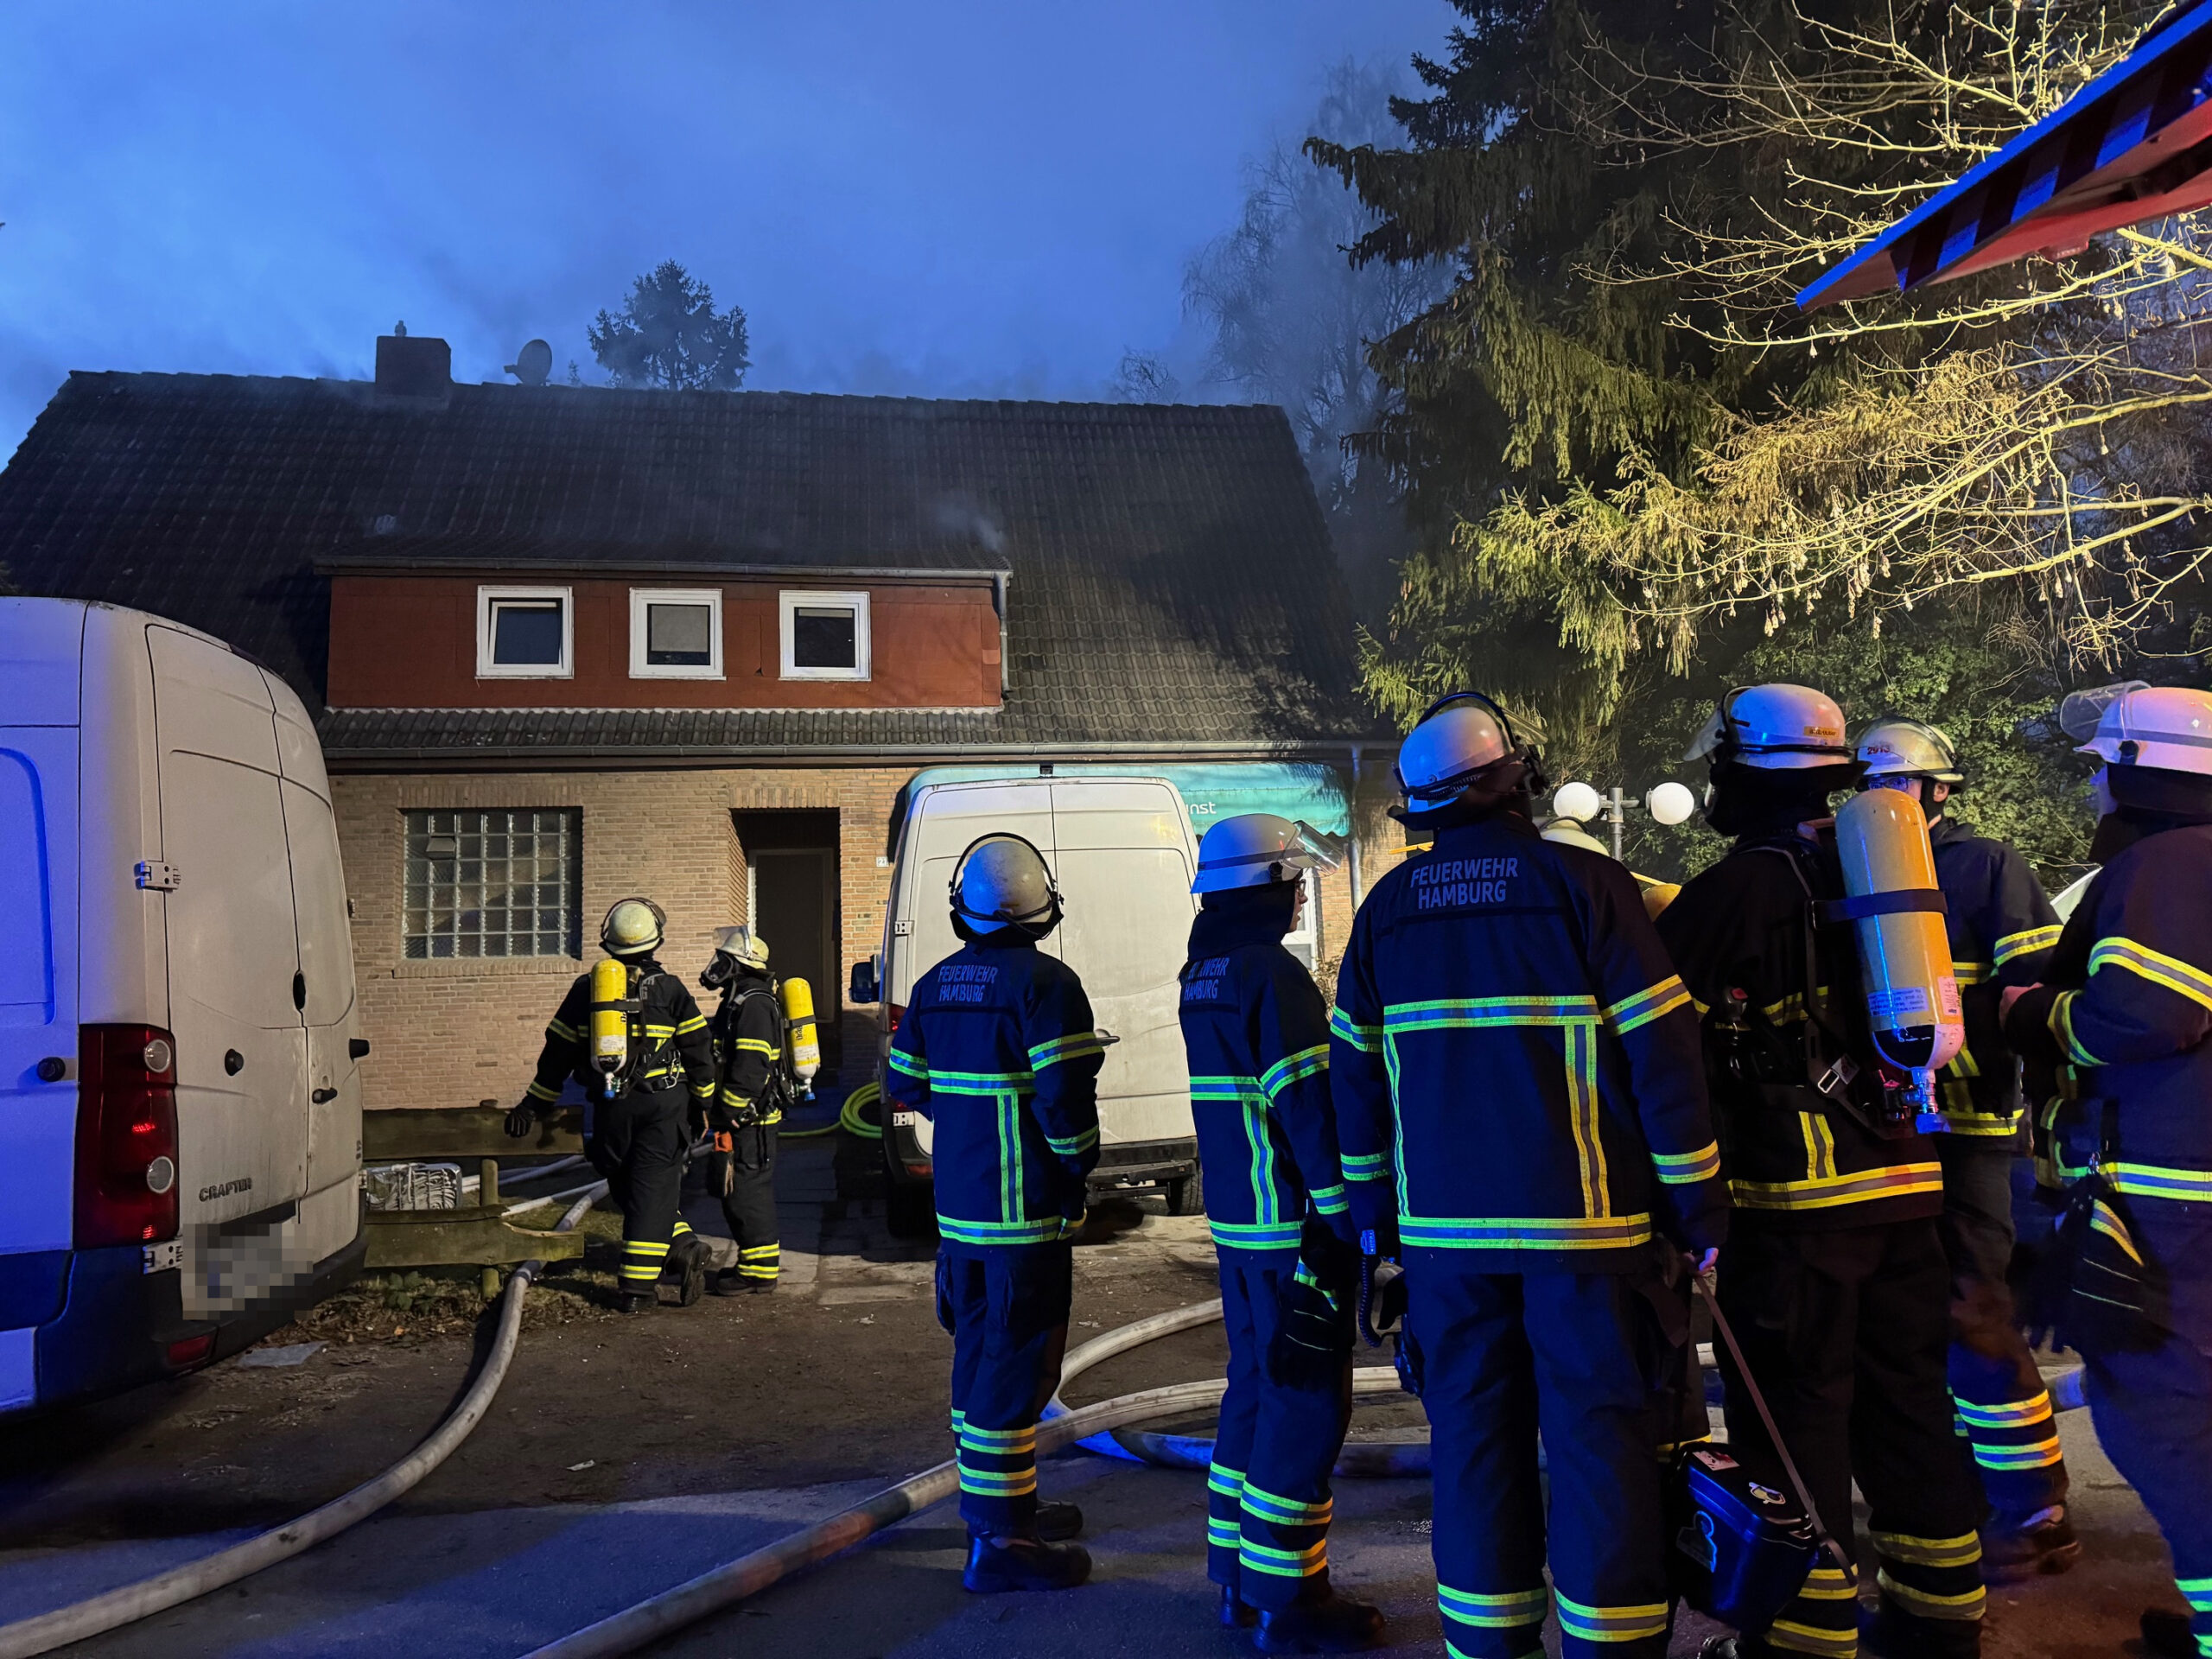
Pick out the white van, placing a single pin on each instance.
(1122, 853)
(180, 1104)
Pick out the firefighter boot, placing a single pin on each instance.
(998, 1564)
(1057, 1521)
(687, 1266)
(2044, 1542)
(1237, 1613)
(1319, 1621)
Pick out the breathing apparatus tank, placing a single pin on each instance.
(798, 1020)
(610, 1021)
(1905, 952)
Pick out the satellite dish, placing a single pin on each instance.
(533, 364)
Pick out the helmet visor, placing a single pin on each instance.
(2081, 712)
(1319, 850)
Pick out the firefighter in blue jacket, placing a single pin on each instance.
(2002, 928)
(1520, 1102)
(996, 1049)
(1257, 1035)
(2127, 999)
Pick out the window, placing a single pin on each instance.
(824, 636)
(496, 883)
(675, 633)
(525, 633)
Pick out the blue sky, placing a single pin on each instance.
(937, 197)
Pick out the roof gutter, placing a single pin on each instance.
(400, 567)
(645, 757)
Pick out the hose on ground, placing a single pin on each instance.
(848, 1117)
(132, 1602)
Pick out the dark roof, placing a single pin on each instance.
(1171, 576)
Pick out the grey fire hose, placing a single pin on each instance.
(132, 1602)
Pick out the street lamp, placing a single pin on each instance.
(1667, 804)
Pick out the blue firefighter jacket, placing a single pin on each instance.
(997, 1050)
(2128, 1000)
(2002, 928)
(1257, 1035)
(1516, 1070)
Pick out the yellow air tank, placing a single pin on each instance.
(610, 1019)
(1905, 952)
(798, 1021)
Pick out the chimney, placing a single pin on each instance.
(413, 365)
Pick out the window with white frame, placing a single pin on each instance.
(492, 882)
(526, 633)
(825, 635)
(675, 633)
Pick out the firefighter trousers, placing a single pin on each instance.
(743, 1174)
(1006, 1306)
(1268, 1500)
(638, 1141)
(2003, 1408)
(1846, 1332)
(1581, 1355)
(2152, 1405)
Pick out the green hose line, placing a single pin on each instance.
(848, 1117)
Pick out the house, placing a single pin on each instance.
(570, 644)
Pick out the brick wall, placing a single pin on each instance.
(454, 1032)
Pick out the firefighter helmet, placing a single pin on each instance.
(633, 927)
(1257, 850)
(1894, 747)
(2138, 725)
(1452, 748)
(1775, 728)
(742, 946)
(1002, 880)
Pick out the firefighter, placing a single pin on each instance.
(639, 1132)
(996, 1049)
(1523, 1116)
(2127, 999)
(748, 1033)
(2001, 928)
(1833, 1275)
(1257, 1036)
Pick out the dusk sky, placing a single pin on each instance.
(941, 198)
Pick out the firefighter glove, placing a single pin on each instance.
(1381, 1299)
(1313, 1338)
(522, 1120)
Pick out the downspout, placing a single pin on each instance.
(1358, 891)
(1006, 656)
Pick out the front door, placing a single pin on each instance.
(793, 893)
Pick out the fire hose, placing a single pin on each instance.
(132, 1602)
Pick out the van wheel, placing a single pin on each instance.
(908, 1209)
(1187, 1197)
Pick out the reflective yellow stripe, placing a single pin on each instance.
(2177, 975)
(1682, 1168)
(2061, 1027)
(1810, 1638)
(1506, 1610)
(2017, 1414)
(1525, 1232)
(2158, 1181)
(1366, 1039)
(1964, 1550)
(1828, 1192)
(1928, 1604)
(1651, 1003)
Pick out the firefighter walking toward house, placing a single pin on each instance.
(748, 1105)
(629, 1031)
(2001, 929)
(2128, 1000)
(996, 1049)
(1835, 1276)
(1522, 1117)
(1257, 1036)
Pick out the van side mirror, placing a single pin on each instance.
(864, 987)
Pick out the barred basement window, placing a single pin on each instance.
(497, 882)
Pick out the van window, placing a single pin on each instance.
(1128, 917)
(26, 966)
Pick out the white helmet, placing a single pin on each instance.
(1002, 879)
(1257, 850)
(1894, 747)
(1568, 833)
(633, 927)
(1775, 728)
(742, 947)
(2138, 725)
(1457, 738)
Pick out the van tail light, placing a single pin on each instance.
(897, 1012)
(126, 1135)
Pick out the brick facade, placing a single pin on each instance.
(457, 1033)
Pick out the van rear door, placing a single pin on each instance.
(39, 674)
(1123, 863)
(242, 1121)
